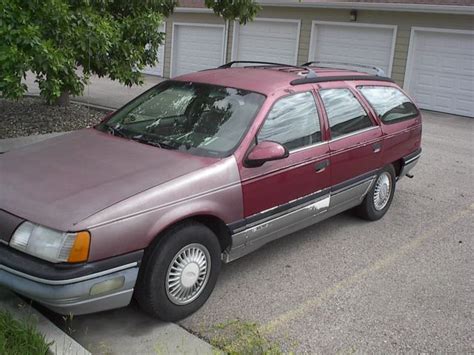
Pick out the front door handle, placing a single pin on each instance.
(376, 147)
(320, 166)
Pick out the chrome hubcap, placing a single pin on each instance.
(382, 191)
(188, 274)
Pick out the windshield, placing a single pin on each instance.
(199, 118)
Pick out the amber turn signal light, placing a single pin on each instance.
(80, 249)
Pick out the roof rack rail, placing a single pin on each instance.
(321, 79)
(378, 71)
(230, 64)
(310, 75)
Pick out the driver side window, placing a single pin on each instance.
(293, 122)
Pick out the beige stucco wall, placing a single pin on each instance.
(403, 20)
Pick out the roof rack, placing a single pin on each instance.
(230, 64)
(321, 79)
(310, 75)
(378, 71)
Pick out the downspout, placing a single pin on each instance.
(226, 45)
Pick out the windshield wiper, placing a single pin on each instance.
(116, 131)
(145, 140)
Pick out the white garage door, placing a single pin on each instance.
(270, 40)
(196, 47)
(440, 70)
(353, 43)
(158, 68)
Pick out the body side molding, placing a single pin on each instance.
(255, 231)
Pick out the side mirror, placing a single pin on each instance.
(266, 151)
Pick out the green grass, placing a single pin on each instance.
(20, 337)
(243, 338)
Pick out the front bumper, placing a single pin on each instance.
(68, 290)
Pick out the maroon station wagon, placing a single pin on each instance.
(201, 169)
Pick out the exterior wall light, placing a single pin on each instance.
(353, 15)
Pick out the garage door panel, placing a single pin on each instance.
(465, 104)
(273, 56)
(425, 80)
(196, 47)
(467, 64)
(428, 60)
(353, 44)
(270, 54)
(447, 82)
(449, 63)
(266, 40)
(466, 86)
(443, 101)
(269, 29)
(440, 71)
(249, 44)
(255, 41)
(358, 56)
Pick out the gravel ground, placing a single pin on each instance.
(31, 115)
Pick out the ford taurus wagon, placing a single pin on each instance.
(199, 170)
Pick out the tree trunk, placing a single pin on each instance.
(63, 100)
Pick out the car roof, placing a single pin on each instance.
(268, 79)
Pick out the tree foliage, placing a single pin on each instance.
(114, 38)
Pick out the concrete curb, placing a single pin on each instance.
(102, 91)
(18, 142)
(63, 344)
(7, 144)
(82, 102)
(129, 331)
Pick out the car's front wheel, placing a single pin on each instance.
(180, 272)
(379, 198)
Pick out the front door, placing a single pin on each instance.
(279, 187)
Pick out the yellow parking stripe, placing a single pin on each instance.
(372, 268)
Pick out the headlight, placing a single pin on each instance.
(50, 244)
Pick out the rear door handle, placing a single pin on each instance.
(320, 166)
(377, 147)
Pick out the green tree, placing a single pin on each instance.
(114, 38)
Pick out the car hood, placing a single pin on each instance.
(63, 180)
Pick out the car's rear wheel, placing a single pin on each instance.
(379, 198)
(179, 272)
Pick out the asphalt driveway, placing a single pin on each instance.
(404, 283)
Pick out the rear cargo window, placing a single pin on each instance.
(390, 103)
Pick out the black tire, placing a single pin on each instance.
(151, 290)
(367, 208)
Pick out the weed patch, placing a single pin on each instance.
(20, 337)
(243, 338)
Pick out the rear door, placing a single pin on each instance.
(355, 144)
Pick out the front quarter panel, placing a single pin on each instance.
(133, 223)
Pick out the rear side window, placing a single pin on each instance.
(344, 111)
(390, 103)
(293, 122)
